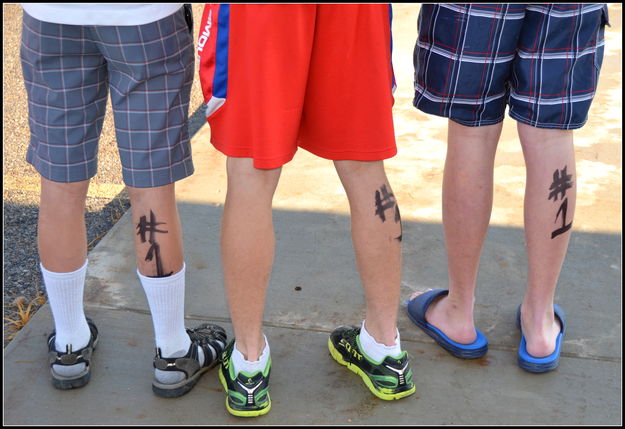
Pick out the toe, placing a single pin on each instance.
(417, 293)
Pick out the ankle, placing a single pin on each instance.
(376, 350)
(76, 339)
(174, 347)
(453, 318)
(165, 296)
(251, 348)
(455, 312)
(537, 315)
(241, 363)
(65, 296)
(383, 334)
(457, 300)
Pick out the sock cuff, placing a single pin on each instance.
(366, 333)
(163, 280)
(53, 274)
(266, 351)
(250, 367)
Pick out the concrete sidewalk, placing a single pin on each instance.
(315, 287)
(314, 252)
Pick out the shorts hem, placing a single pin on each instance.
(351, 155)
(546, 125)
(478, 123)
(176, 176)
(261, 163)
(175, 173)
(464, 122)
(44, 171)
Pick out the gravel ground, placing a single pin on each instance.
(107, 201)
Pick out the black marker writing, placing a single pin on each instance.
(383, 201)
(561, 182)
(565, 227)
(398, 219)
(154, 252)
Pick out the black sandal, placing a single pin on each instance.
(70, 357)
(212, 340)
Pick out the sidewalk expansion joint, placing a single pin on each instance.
(320, 329)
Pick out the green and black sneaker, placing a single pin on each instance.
(248, 394)
(389, 379)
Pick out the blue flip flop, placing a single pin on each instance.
(416, 311)
(543, 364)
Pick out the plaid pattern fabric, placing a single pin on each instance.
(543, 60)
(68, 71)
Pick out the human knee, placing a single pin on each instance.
(358, 168)
(65, 194)
(158, 194)
(533, 138)
(243, 177)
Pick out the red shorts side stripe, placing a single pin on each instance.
(213, 55)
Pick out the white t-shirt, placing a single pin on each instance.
(100, 13)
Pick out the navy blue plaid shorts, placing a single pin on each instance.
(543, 60)
(148, 69)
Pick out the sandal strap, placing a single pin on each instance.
(70, 357)
(189, 364)
(81, 356)
(212, 345)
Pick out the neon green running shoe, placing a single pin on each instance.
(389, 379)
(248, 394)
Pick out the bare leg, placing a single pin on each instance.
(62, 236)
(158, 234)
(548, 212)
(376, 234)
(247, 247)
(62, 241)
(467, 205)
(62, 233)
(160, 260)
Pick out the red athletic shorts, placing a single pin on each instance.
(276, 77)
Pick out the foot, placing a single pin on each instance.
(540, 330)
(389, 379)
(248, 394)
(63, 363)
(207, 343)
(454, 319)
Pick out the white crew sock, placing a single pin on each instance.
(166, 300)
(377, 351)
(250, 367)
(65, 295)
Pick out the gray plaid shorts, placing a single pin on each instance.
(68, 70)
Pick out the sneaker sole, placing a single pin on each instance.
(354, 368)
(239, 413)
